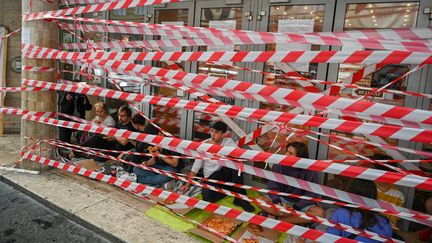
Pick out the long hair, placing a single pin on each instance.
(301, 149)
(365, 188)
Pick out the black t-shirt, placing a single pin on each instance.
(127, 126)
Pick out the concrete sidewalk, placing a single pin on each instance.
(105, 208)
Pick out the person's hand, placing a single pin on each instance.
(109, 138)
(121, 155)
(184, 188)
(69, 96)
(97, 120)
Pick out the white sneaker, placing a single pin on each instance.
(128, 176)
(169, 186)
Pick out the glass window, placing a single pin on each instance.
(221, 18)
(166, 117)
(366, 16)
(293, 19)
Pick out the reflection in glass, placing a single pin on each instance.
(220, 18)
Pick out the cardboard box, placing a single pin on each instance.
(267, 235)
(209, 235)
(89, 164)
(176, 207)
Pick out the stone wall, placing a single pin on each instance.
(10, 17)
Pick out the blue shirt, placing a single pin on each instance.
(354, 219)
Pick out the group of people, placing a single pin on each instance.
(135, 123)
(384, 225)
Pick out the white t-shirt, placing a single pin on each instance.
(211, 166)
(108, 122)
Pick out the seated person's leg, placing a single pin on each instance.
(95, 141)
(152, 178)
(238, 179)
(313, 210)
(213, 196)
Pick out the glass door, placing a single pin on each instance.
(171, 119)
(292, 17)
(217, 14)
(352, 15)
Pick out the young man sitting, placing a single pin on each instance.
(110, 142)
(213, 170)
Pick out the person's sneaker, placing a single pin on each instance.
(170, 185)
(244, 204)
(128, 176)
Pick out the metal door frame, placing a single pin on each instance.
(416, 80)
(263, 7)
(191, 12)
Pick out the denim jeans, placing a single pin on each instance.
(151, 178)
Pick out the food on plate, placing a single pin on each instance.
(169, 202)
(251, 240)
(222, 225)
(255, 228)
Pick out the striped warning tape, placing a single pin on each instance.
(183, 177)
(417, 34)
(38, 69)
(333, 168)
(95, 8)
(269, 94)
(192, 202)
(260, 202)
(405, 133)
(360, 57)
(305, 185)
(242, 37)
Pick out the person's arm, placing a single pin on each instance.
(194, 170)
(121, 140)
(171, 161)
(150, 162)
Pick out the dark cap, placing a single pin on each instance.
(220, 126)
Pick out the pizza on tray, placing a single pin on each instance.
(250, 240)
(221, 225)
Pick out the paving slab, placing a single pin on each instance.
(101, 205)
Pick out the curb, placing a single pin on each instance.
(59, 210)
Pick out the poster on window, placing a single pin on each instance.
(175, 48)
(296, 26)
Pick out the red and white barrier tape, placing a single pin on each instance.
(405, 133)
(323, 190)
(19, 89)
(417, 34)
(10, 34)
(333, 168)
(38, 69)
(192, 202)
(260, 202)
(95, 8)
(214, 36)
(271, 94)
(182, 177)
(359, 57)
